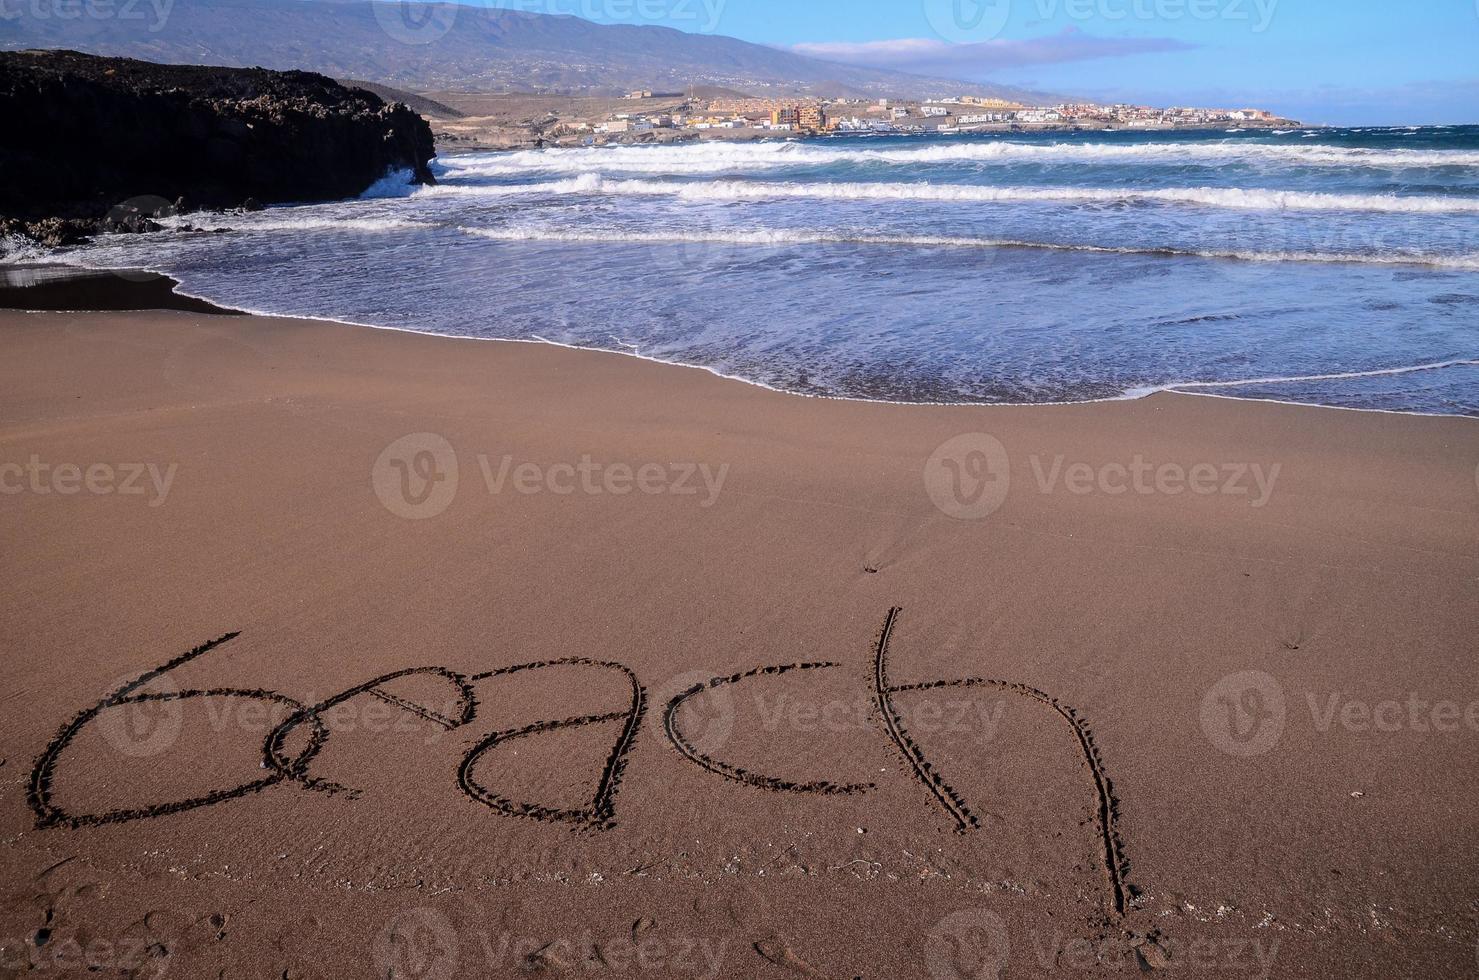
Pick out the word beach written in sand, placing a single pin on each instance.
(310, 725)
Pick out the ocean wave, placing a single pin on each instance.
(786, 236)
(723, 157)
(1213, 197)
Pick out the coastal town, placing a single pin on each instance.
(950, 115)
(509, 121)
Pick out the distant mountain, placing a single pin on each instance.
(446, 47)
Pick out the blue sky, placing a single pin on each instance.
(1332, 61)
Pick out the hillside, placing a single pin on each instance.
(464, 47)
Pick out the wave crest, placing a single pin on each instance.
(719, 157)
(739, 190)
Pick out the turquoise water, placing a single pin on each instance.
(1336, 267)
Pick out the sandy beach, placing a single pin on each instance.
(332, 651)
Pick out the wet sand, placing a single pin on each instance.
(336, 652)
(68, 288)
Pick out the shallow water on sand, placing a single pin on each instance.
(1336, 267)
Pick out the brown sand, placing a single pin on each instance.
(1131, 800)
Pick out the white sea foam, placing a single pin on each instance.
(19, 248)
(393, 184)
(718, 157)
(1338, 376)
(1212, 197)
(778, 237)
(284, 219)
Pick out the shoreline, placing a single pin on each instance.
(147, 289)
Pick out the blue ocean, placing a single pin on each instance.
(1326, 266)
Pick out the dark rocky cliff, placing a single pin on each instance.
(80, 136)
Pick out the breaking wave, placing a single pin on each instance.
(744, 190)
(723, 157)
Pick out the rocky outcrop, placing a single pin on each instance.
(106, 143)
